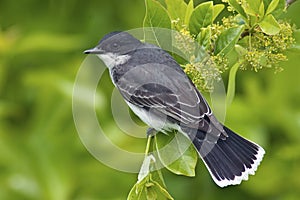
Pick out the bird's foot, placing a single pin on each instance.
(151, 132)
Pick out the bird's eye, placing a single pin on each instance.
(115, 45)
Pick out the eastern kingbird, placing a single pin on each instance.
(159, 92)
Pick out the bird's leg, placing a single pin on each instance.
(151, 132)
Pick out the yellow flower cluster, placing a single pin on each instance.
(260, 50)
(184, 42)
(204, 73)
(267, 51)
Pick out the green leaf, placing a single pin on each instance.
(240, 50)
(231, 84)
(204, 38)
(243, 42)
(279, 9)
(202, 16)
(148, 189)
(269, 25)
(227, 39)
(157, 176)
(261, 10)
(252, 7)
(162, 2)
(137, 192)
(176, 9)
(176, 153)
(272, 6)
(237, 7)
(189, 11)
(240, 20)
(156, 15)
(160, 191)
(217, 9)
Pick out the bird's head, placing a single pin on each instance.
(114, 48)
(115, 42)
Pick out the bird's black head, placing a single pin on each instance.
(119, 43)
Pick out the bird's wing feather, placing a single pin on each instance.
(159, 86)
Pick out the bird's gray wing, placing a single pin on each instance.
(160, 87)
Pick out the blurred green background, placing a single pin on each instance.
(41, 156)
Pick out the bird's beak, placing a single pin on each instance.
(94, 51)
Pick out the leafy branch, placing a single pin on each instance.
(251, 36)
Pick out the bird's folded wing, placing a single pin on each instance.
(157, 86)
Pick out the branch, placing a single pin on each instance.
(289, 2)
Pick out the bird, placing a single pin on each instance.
(158, 91)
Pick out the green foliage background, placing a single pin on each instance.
(41, 156)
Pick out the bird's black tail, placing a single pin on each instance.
(229, 159)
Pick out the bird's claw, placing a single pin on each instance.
(151, 132)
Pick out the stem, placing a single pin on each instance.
(160, 175)
(148, 146)
(250, 45)
(231, 83)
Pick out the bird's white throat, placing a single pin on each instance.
(113, 59)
